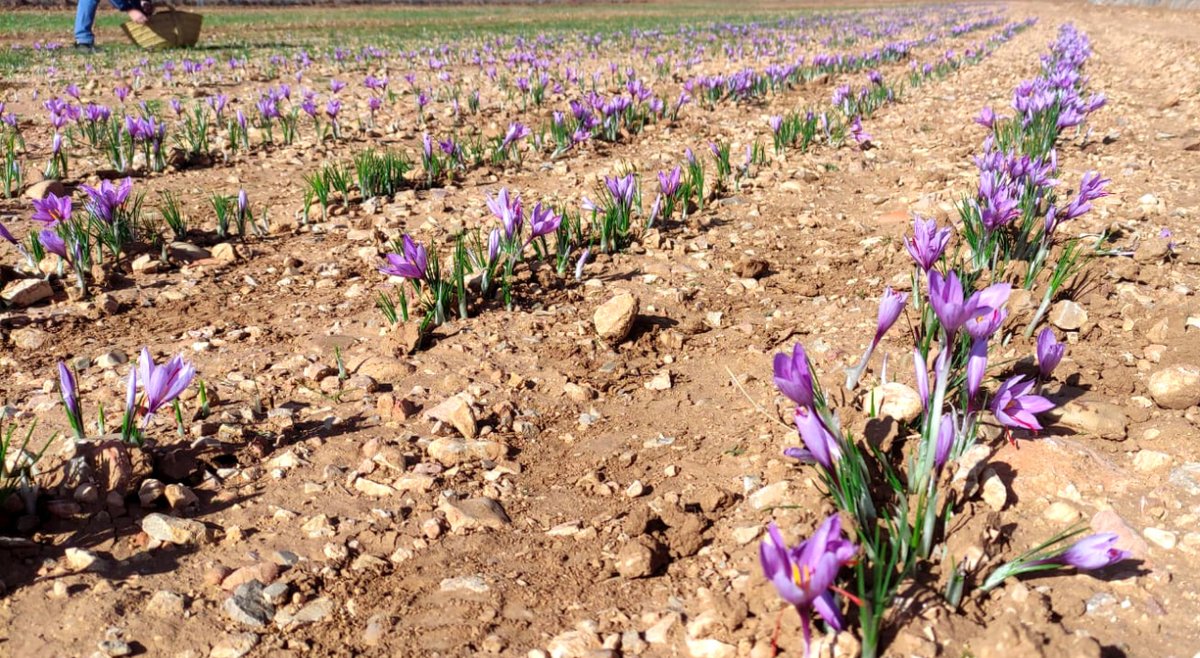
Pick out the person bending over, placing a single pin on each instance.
(138, 11)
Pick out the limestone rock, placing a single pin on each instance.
(457, 412)
(174, 530)
(1068, 315)
(26, 292)
(614, 319)
(894, 400)
(1177, 387)
(474, 513)
(451, 451)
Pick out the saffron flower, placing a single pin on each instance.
(104, 201)
(7, 235)
(516, 131)
(543, 221)
(507, 208)
(162, 384)
(1093, 552)
(70, 398)
(793, 377)
(927, 242)
(52, 210)
(668, 182)
(1015, 406)
(890, 307)
(820, 445)
(951, 306)
(804, 574)
(1049, 352)
(622, 189)
(53, 243)
(412, 264)
(944, 441)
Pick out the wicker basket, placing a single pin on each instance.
(169, 28)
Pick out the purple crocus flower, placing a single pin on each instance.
(622, 189)
(775, 122)
(1093, 552)
(804, 575)
(792, 376)
(890, 306)
(668, 182)
(53, 243)
(981, 327)
(927, 242)
(52, 210)
(945, 440)
(493, 250)
(1015, 406)
(922, 374)
(516, 131)
(507, 208)
(131, 394)
(947, 298)
(820, 445)
(103, 201)
(243, 203)
(1049, 352)
(7, 235)
(543, 221)
(332, 107)
(70, 394)
(412, 264)
(162, 384)
(986, 118)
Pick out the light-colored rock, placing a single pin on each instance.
(373, 488)
(1092, 417)
(638, 558)
(995, 494)
(234, 645)
(29, 338)
(26, 292)
(174, 530)
(474, 513)
(451, 451)
(1068, 315)
(187, 252)
(772, 495)
(473, 584)
(660, 632)
(614, 319)
(1176, 387)
(79, 559)
(894, 400)
(166, 604)
(1061, 512)
(456, 412)
(710, 648)
(572, 644)
(1151, 460)
(42, 189)
(225, 253)
(1163, 538)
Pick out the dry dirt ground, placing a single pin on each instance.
(665, 438)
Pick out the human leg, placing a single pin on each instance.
(85, 15)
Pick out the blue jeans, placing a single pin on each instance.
(85, 15)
